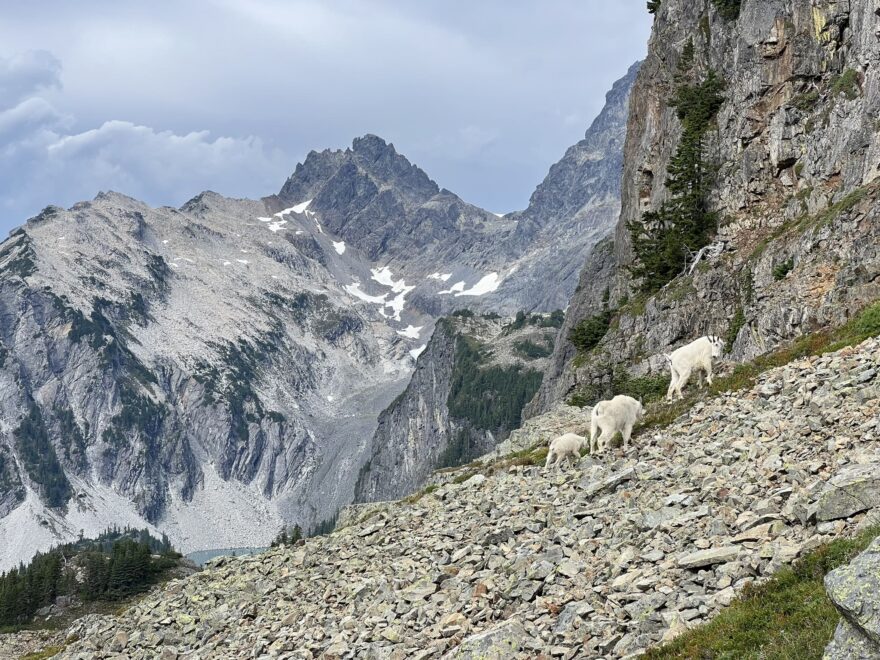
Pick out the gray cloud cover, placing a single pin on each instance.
(161, 100)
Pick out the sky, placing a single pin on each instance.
(162, 99)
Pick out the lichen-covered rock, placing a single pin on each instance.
(854, 489)
(855, 591)
(499, 643)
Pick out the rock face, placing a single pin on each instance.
(506, 560)
(420, 431)
(576, 204)
(855, 590)
(796, 157)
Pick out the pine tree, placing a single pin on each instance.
(664, 239)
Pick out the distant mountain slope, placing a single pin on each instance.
(215, 370)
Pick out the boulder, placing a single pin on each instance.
(498, 643)
(855, 591)
(851, 491)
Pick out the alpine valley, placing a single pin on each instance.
(217, 371)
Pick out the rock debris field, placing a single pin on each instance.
(603, 559)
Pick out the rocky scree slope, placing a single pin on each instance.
(795, 152)
(602, 559)
(465, 396)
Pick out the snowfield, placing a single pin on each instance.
(411, 332)
(486, 285)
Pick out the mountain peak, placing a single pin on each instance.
(372, 146)
(370, 158)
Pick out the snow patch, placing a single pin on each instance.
(416, 352)
(242, 261)
(455, 288)
(276, 226)
(499, 215)
(411, 331)
(355, 290)
(339, 247)
(488, 284)
(438, 276)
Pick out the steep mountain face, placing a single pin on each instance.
(216, 370)
(465, 396)
(795, 156)
(574, 207)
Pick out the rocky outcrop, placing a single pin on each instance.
(418, 432)
(854, 590)
(599, 560)
(796, 157)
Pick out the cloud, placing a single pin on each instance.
(43, 162)
(484, 96)
(28, 72)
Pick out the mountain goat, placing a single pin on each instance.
(696, 356)
(619, 414)
(567, 446)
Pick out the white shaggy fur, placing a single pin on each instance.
(619, 414)
(696, 356)
(567, 446)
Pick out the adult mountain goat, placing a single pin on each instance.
(619, 414)
(696, 356)
(567, 446)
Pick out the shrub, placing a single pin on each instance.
(590, 331)
(529, 349)
(736, 324)
(847, 83)
(782, 269)
(806, 101)
(729, 9)
(645, 388)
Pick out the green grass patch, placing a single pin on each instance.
(415, 497)
(847, 83)
(789, 616)
(817, 221)
(47, 652)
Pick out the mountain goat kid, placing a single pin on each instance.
(696, 356)
(567, 446)
(619, 414)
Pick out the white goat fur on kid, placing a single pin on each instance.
(568, 446)
(619, 414)
(696, 356)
